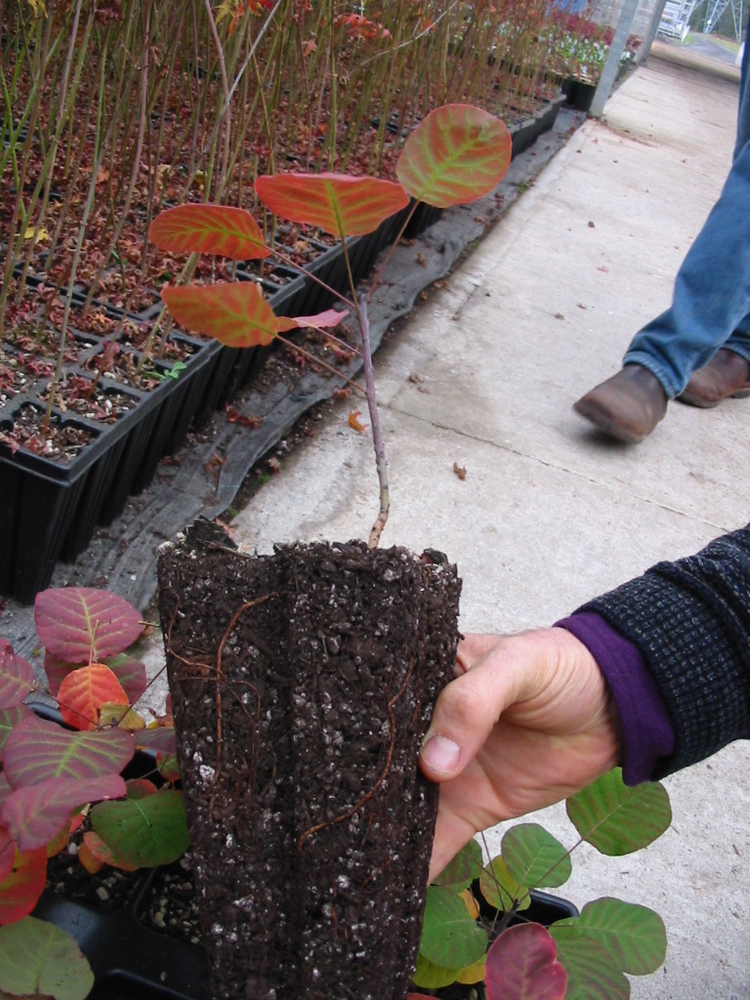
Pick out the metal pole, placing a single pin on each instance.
(616, 49)
(653, 27)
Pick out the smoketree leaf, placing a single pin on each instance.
(459, 153)
(634, 935)
(39, 959)
(37, 750)
(36, 813)
(208, 228)
(144, 832)
(16, 676)
(234, 313)
(338, 203)
(617, 819)
(83, 625)
(522, 965)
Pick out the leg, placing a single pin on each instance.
(711, 294)
(710, 310)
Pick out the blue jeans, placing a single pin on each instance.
(711, 303)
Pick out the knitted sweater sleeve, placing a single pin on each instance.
(690, 620)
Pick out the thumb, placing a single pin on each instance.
(465, 714)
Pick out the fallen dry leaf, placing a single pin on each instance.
(354, 422)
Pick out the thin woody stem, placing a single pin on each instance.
(381, 463)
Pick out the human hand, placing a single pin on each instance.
(528, 721)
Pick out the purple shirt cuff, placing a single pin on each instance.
(647, 732)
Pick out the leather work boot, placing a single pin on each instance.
(627, 406)
(726, 374)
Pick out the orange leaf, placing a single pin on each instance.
(84, 691)
(457, 154)
(339, 203)
(354, 422)
(218, 229)
(20, 891)
(101, 852)
(88, 859)
(236, 314)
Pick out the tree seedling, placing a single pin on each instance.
(475, 928)
(458, 154)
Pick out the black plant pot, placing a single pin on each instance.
(579, 94)
(132, 962)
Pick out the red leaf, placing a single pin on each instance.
(320, 321)
(9, 719)
(7, 852)
(457, 154)
(20, 891)
(57, 670)
(168, 767)
(81, 625)
(16, 676)
(234, 313)
(132, 676)
(37, 750)
(159, 738)
(139, 788)
(337, 203)
(522, 965)
(35, 814)
(217, 229)
(84, 691)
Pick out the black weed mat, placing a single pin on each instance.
(207, 474)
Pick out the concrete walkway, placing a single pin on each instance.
(482, 377)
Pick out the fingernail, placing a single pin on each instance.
(441, 754)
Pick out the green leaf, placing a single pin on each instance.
(338, 203)
(450, 937)
(432, 977)
(634, 935)
(617, 819)
(234, 313)
(216, 229)
(39, 959)
(499, 887)
(145, 832)
(535, 859)
(592, 973)
(463, 869)
(459, 153)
